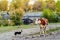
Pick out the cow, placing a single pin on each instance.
(43, 22)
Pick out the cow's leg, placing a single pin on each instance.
(41, 30)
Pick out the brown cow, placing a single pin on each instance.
(43, 23)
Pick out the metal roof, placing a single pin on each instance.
(33, 14)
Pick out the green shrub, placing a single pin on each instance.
(16, 17)
(59, 19)
(0, 22)
(50, 15)
(4, 22)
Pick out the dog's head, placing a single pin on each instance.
(21, 30)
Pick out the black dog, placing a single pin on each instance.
(17, 33)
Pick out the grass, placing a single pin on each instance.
(55, 23)
(27, 26)
(48, 31)
(10, 28)
(53, 29)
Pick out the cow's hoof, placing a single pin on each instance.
(41, 35)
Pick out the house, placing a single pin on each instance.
(32, 15)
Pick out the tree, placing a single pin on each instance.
(15, 4)
(16, 17)
(37, 6)
(58, 8)
(3, 5)
(29, 7)
(50, 4)
(19, 4)
(25, 5)
(17, 7)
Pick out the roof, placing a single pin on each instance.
(32, 14)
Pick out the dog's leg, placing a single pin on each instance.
(15, 33)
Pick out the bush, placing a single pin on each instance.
(16, 17)
(0, 22)
(0, 19)
(50, 15)
(4, 22)
(59, 19)
(11, 23)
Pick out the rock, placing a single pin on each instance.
(26, 37)
(51, 33)
(38, 36)
(33, 37)
(12, 39)
(46, 35)
(41, 35)
(58, 33)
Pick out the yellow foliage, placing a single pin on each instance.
(19, 12)
(3, 5)
(16, 4)
(11, 23)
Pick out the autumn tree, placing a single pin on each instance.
(19, 3)
(3, 5)
(37, 6)
(50, 4)
(29, 8)
(41, 4)
(25, 5)
(18, 7)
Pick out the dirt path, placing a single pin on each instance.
(9, 35)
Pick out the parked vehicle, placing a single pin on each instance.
(27, 21)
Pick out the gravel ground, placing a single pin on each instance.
(10, 35)
(53, 36)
